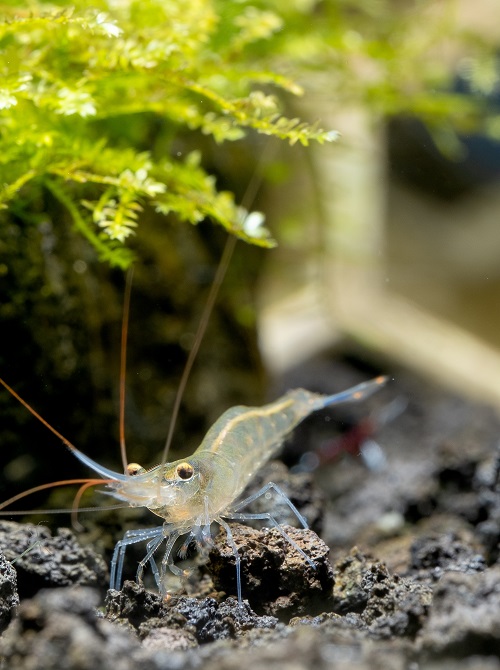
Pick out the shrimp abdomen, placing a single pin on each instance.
(244, 438)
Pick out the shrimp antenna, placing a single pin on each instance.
(202, 326)
(43, 487)
(40, 418)
(123, 364)
(227, 253)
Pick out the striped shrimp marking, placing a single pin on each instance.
(191, 494)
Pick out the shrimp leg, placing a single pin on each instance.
(182, 552)
(235, 515)
(156, 536)
(263, 491)
(130, 537)
(237, 559)
(151, 547)
(168, 560)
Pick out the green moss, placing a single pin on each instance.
(72, 76)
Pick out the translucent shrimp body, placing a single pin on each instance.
(190, 494)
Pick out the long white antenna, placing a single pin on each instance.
(202, 326)
(227, 253)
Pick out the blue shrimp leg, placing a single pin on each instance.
(130, 537)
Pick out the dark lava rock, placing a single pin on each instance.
(469, 487)
(464, 616)
(218, 622)
(334, 644)
(134, 606)
(388, 604)
(487, 484)
(173, 639)
(397, 606)
(205, 620)
(276, 578)
(351, 590)
(59, 629)
(440, 553)
(43, 560)
(9, 598)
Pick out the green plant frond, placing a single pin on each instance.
(254, 25)
(117, 216)
(260, 112)
(71, 74)
(74, 77)
(192, 196)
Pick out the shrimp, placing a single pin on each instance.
(190, 494)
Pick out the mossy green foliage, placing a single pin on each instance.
(82, 83)
(73, 77)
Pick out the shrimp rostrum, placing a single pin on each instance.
(192, 493)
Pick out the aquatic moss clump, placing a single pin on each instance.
(85, 90)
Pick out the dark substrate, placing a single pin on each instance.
(412, 579)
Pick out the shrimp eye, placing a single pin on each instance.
(134, 469)
(184, 470)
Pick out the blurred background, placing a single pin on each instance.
(403, 237)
